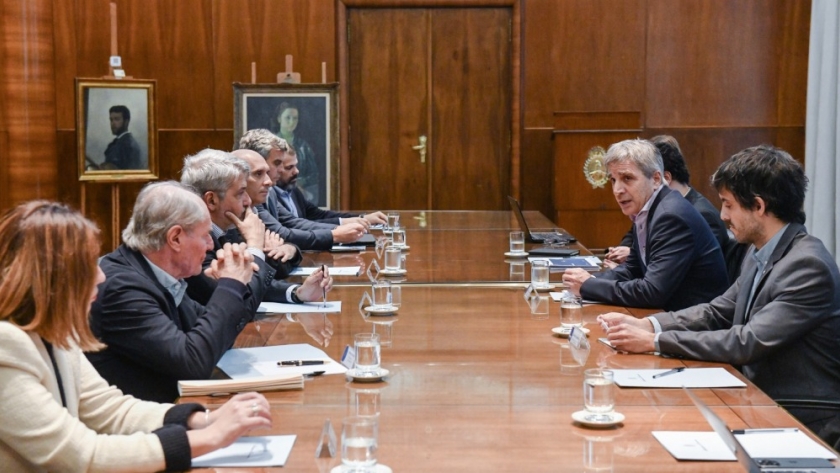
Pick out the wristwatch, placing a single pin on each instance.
(295, 297)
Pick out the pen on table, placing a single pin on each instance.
(300, 362)
(324, 272)
(764, 431)
(666, 373)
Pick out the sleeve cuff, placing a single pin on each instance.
(180, 414)
(258, 253)
(290, 296)
(656, 342)
(657, 328)
(176, 447)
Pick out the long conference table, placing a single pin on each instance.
(477, 382)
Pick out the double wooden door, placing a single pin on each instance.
(429, 108)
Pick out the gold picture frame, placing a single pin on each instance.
(115, 130)
(316, 135)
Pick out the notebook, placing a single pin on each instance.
(758, 465)
(537, 237)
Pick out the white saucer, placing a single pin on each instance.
(581, 418)
(402, 248)
(351, 376)
(381, 310)
(393, 272)
(516, 255)
(379, 468)
(564, 332)
(550, 287)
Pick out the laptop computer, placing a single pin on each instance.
(758, 465)
(537, 237)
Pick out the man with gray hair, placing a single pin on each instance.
(155, 333)
(220, 179)
(675, 261)
(307, 234)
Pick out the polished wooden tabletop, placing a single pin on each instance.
(478, 383)
(449, 247)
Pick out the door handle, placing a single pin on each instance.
(422, 148)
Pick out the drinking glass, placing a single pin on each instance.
(598, 394)
(394, 260)
(367, 353)
(359, 442)
(398, 237)
(517, 242)
(571, 311)
(393, 220)
(539, 274)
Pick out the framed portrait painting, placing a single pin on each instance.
(306, 116)
(115, 129)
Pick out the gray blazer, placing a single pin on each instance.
(788, 346)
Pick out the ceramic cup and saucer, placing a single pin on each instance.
(597, 421)
(374, 377)
(382, 309)
(516, 254)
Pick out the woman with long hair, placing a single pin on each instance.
(284, 124)
(56, 412)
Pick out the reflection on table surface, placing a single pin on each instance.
(478, 383)
(451, 247)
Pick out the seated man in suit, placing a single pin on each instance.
(306, 234)
(780, 321)
(677, 178)
(155, 333)
(675, 261)
(292, 199)
(221, 180)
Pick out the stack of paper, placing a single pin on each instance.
(758, 443)
(271, 450)
(305, 308)
(261, 383)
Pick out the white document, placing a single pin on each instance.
(333, 270)
(694, 445)
(689, 378)
(239, 363)
(305, 308)
(782, 443)
(271, 450)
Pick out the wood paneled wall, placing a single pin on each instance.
(719, 75)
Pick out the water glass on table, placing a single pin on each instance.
(394, 260)
(398, 237)
(368, 353)
(571, 311)
(393, 221)
(359, 442)
(517, 242)
(539, 274)
(598, 394)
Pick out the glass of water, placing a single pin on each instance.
(517, 242)
(359, 442)
(571, 311)
(393, 220)
(598, 394)
(539, 274)
(368, 354)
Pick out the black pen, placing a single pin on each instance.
(666, 373)
(324, 272)
(300, 362)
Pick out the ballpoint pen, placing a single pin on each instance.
(764, 431)
(300, 362)
(324, 272)
(666, 373)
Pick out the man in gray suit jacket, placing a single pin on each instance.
(780, 321)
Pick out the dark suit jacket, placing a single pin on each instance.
(318, 240)
(200, 288)
(733, 252)
(279, 211)
(151, 342)
(684, 266)
(310, 211)
(124, 153)
(789, 345)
